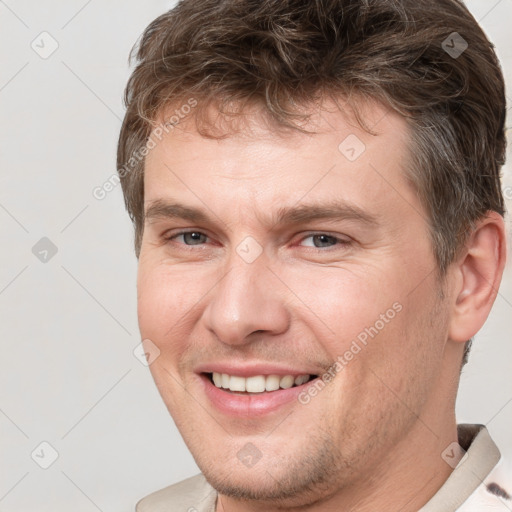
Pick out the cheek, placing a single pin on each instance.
(343, 303)
(152, 304)
(165, 293)
(169, 307)
(160, 302)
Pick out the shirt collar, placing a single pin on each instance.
(481, 456)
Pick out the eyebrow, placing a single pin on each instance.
(335, 210)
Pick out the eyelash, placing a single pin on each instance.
(340, 242)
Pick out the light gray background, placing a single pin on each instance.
(68, 327)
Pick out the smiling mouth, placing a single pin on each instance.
(257, 384)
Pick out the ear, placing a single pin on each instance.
(478, 277)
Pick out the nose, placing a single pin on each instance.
(248, 299)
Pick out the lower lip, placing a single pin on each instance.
(250, 405)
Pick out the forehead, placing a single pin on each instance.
(340, 159)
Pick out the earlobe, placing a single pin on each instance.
(480, 270)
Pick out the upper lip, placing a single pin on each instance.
(248, 370)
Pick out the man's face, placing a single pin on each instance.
(257, 293)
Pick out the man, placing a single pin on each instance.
(315, 188)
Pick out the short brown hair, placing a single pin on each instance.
(426, 59)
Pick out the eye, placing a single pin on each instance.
(189, 236)
(320, 240)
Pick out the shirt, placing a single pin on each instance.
(480, 482)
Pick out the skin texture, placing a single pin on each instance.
(372, 438)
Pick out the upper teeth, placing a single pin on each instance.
(257, 383)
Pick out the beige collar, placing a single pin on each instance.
(482, 455)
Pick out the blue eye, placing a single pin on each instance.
(319, 240)
(193, 236)
(322, 239)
